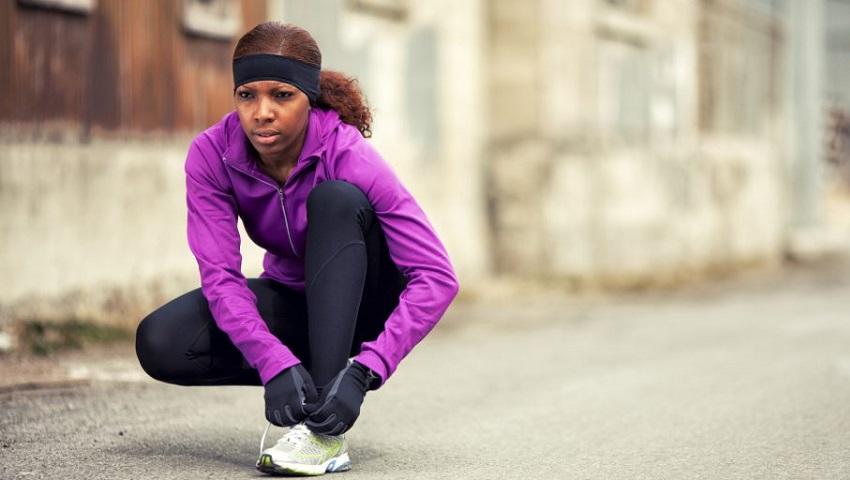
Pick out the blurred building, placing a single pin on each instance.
(99, 102)
(601, 142)
(650, 134)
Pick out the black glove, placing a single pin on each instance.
(289, 395)
(339, 403)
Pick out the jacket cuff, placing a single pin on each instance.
(374, 362)
(277, 362)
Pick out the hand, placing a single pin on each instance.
(339, 405)
(288, 396)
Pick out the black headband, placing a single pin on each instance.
(266, 66)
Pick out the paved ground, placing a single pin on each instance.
(748, 379)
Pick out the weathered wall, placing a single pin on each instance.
(95, 120)
(633, 144)
(125, 67)
(615, 143)
(82, 223)
(422, 73)
(95, 209)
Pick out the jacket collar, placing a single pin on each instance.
(320, 124)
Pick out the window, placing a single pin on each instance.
(394, 10)
(624, 70)
(624, 89)
(737, 74)
(71, 6)
(218, 19)
(633, 6)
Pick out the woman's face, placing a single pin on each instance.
(273, 115)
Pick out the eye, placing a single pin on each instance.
(283, 94)
(243, 94)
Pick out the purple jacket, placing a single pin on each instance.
(223, 181)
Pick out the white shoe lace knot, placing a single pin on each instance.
(296, 434)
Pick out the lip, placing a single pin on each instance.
(266, 137)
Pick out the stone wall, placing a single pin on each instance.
(634, 142)
(612, 143)
(95, 229)
(421, 66)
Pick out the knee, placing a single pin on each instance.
(336, 198)
(153, 347)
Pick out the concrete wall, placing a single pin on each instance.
(422, 73)
(838, 51)
(97, 113)
(602, 169)
(96, 229)
(608, 143)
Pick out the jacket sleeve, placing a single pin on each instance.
(214, 241)
(416, 250)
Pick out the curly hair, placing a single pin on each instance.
(338, 91)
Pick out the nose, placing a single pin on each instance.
(264, 111)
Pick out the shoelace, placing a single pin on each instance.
(295, 434)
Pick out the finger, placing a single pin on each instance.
(318, 420)
(309, 404)
(322, 424)
(288, 410)
(277, 419)
(310, 408)
(318, 407)
(318, 416)
(339, 428)
(311, 394)
(298, 380)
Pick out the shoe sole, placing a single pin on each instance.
(266, 464)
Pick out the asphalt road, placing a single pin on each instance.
(749, 379)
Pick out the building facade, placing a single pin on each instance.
(612, 143)
(100, 101)
(649, 137)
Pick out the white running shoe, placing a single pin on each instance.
(302, 452)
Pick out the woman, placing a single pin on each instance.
(354, 275)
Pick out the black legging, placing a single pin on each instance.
(324, 326)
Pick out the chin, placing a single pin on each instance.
(267, 149)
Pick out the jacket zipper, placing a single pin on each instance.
(280, 196)
(285, 221)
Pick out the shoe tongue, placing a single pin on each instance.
(285, 439)
(300, 427)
